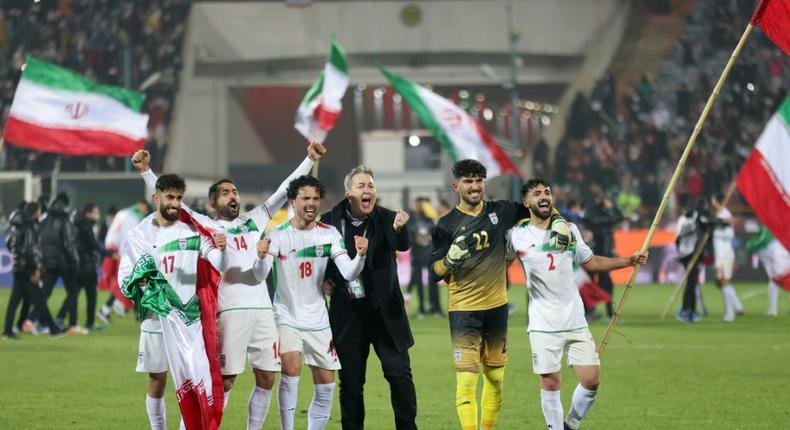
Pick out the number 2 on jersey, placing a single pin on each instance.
(171, 259)
(240, 242)
(305, 269)
(551, 261)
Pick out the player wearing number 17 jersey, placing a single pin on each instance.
(245, 324)
(556, 313)
(299, 250)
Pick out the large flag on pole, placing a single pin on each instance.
(321, 106)
(773, 16)
(764, 180)
(457, 132)
(56, 110)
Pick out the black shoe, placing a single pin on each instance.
(10, 336)
(57, 333)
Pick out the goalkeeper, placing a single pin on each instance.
(469, 253)
(556, 314)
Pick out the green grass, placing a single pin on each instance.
(656, 374)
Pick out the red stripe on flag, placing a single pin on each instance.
(773, 16)
(326, 118)
(760, 187)
(69, 141)
(505, 163)
(783, 281)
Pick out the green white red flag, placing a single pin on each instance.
(320, 108)
(56, 110)
(457, 132)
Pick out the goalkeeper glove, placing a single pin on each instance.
(560, 236)
(457, 254)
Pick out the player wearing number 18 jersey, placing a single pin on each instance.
(556, 313)
(299, 251)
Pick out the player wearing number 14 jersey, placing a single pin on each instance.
(299, 250)
(556, 313)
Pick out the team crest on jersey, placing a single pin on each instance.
(492, 216)
(182, 244)
(243, 228)
(319, 251)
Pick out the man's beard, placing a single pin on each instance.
(537, 211)
(226, 212)
(167, 216)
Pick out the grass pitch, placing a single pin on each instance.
(656, 374)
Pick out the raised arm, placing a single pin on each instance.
(267, 252)
(314, 153)
(348, 268)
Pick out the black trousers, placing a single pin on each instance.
(605, 282)
(690, 293)
(367, 328)
(417, 266)
(88, 281)
(49, 278)
(24, 288)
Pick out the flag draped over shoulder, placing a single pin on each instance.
(773, 16)
(457, 132)
(320, 108)
(191, 348)
(764, 180)
(56, 110)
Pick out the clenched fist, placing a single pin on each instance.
(141, 160)
(263, 247)
(401, 218)
(315, 151)
(220, 240)
(361, 244)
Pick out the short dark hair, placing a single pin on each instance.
(170, 181)
(304, 181)
(532, 183)
(213, 190)
(89, 207)
(469, 168)
(28, 209)
(63, 198)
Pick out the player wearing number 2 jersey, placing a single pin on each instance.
(299, 251)
(556, 313)
(245, 323)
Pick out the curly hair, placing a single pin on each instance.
(469, 168)
(304, 181)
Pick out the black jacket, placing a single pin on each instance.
(88, 247)
(58, 239)
(380, 273)
(601, 222)
(23, 243)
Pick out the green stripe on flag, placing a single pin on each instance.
(784, 112)
(408, 91)
(337, 57)
(50, 75)
(158, 296)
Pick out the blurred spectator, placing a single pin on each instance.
(420, 228)
(88, 248)
(601, 219)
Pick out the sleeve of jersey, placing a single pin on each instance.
(338, 245)
(212, 253)
(583, 251)
(262, 266)
(441, 244)
(350, 269)
(277, 200)
(150, 178)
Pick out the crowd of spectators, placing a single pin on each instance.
(124, 43)
(627, 147)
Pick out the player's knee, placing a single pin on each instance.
(227, 382)
(550, 382)
(264, 379)
(591, 383)
(156, 384)
(495, 376)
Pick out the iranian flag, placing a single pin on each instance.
(764, 180)
(773, 16)
(320, 108)
(457, 132)
(56, 110)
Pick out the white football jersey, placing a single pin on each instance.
(723, 236)
(175, 249)
(775, 259)
(554, 301)
(299, 259)
(239, 288)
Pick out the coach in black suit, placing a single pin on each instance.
(370, 310)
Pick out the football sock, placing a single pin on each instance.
(552, 408)
(320, 407)
(466, 399)
(225, 395)
(156, 412)
(491, 400)
(287, 395)
(581, 403)
(773, 298)
(737, 307)
(258, 407)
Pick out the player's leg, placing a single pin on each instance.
(291, 358)
(728, 289)
(547, 349)
(234, 329)
(263, 353)
(688, 310)
(773, 299)
(494, 358)
(155, 401)
(721, 282)
(584, 359)
(151, 359)
(89, 281)
(466, 330)
(320, 355)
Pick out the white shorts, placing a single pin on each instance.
(151, 355)
(247, 334)
(315, 345)
(547, 350)
(724, 267)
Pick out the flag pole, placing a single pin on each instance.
(671, 187)
(695, 256)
